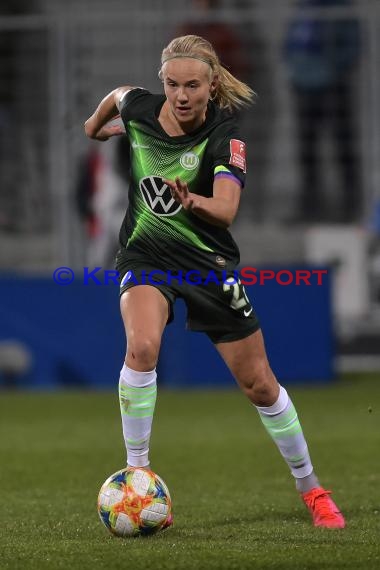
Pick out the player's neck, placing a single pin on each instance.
(172, 126)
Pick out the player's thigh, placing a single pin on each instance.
(145, 312)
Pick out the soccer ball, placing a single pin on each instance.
(134, 501)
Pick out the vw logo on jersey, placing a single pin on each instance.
(157, 196)
(189, 160)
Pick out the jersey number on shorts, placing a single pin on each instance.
(239, 296)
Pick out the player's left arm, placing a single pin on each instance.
(109, 108)
(219, 210)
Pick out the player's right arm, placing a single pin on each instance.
(96, 126)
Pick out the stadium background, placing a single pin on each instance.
(60, 437)
(59, 59)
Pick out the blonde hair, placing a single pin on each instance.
(230, 93)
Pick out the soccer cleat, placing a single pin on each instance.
(324, 511)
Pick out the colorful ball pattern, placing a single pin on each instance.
(134, 501)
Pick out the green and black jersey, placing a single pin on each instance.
(155, 225)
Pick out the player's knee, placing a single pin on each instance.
(264, 393)
(261, 385)
(143, 352)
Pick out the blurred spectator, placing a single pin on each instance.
(102, 198)
(207, 23)
(321, 54)
(9, 40)
(23, 65)
(258, 123)
(241, 50)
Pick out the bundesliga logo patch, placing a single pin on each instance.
(237, 157)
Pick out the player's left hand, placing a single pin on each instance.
(180, 192)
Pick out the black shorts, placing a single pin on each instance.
(216, 301)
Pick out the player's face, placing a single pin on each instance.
(188, 85)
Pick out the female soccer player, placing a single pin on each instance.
(188, 170)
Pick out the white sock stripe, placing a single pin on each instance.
(279, 405)
(126, 369)
(137, 379)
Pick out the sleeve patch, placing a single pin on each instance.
(237, 154)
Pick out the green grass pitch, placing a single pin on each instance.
(235, 505)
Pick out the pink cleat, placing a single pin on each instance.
(324, 511)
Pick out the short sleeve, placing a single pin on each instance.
(133, 104)
(229, 158)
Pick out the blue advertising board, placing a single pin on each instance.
(76, 338)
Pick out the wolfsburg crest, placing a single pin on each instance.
(189, 160)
